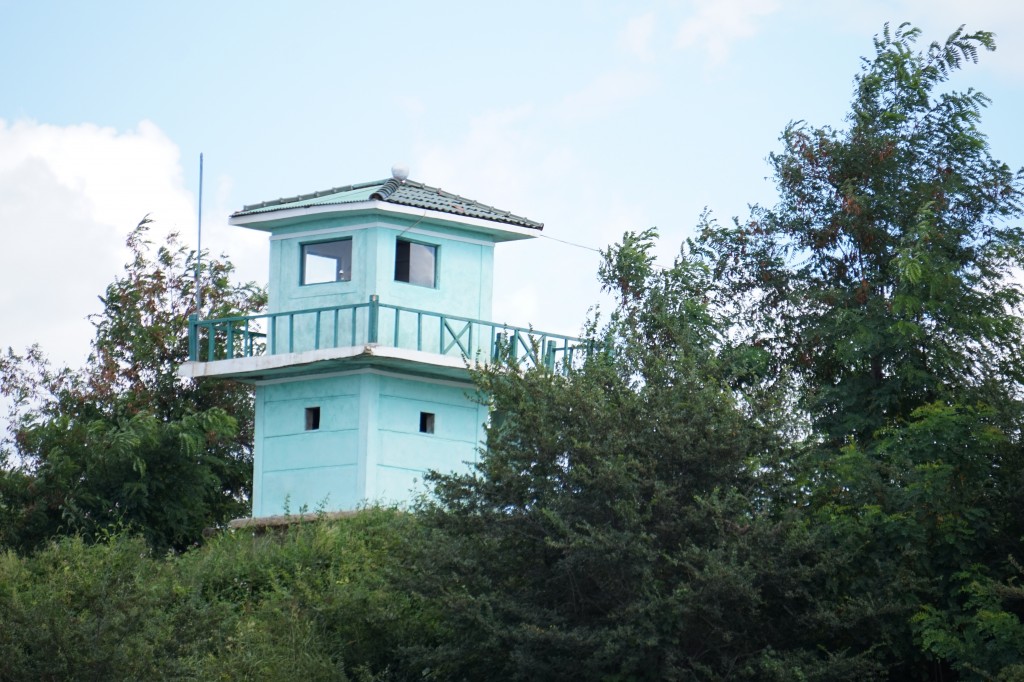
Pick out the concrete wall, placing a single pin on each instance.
(340, 466)
(403, 454)
(465, 264)
(294, 467)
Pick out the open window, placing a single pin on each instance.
(312, 418)
(327, 262)
(426, 422)
(416, 263)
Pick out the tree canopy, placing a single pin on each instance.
(123, 441)
(799, 455)
(883, 276)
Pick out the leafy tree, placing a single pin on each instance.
(649, 515)
(916, 514)
(883, 280)
(883, 275)
(983, 636)
(124, 440)
(612, 529)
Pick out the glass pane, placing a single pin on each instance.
(327, 262)
(416, 263)
(421, 264)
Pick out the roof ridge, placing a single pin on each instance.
(312, 195)
(386, 190)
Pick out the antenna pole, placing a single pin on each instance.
(199, 245)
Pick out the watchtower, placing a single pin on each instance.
(379, 296)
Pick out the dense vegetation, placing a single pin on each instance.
(797, 455)
(124, 442)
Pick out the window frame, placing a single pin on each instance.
(436, 248)
(303, 256)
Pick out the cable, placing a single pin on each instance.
(590, 248)
(418, 221)
(563, 241)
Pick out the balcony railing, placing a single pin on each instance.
(385, 325)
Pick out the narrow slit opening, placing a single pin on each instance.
(312, 418)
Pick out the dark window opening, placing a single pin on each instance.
(416, 263)
(426, 422)
(327, 262)
(312, 418)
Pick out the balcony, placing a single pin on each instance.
(260, 345)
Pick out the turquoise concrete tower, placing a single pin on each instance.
(378, 299)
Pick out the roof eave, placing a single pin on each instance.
(267, 220)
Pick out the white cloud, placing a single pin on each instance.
(637, 37)
(606, 93)
(68, 197)
(717, 25)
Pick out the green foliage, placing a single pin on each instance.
(656, 513)
(124, 441)
(883, 281)
(914, 513)
(882, 278)
(611, 529)
(316, 601)
(983, 637)
(157, 477)
(74, 611)
(334, 585)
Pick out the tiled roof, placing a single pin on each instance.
(401, 192)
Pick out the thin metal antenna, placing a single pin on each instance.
(199, 247)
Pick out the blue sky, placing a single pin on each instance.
(592, 117)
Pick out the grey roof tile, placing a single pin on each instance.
(404, 193)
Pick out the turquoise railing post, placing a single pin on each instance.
(193, 337)
(549, 355)
(211, 338)
(373, 317)
(246, 341)
(497, 345)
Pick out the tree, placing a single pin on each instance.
(125, 441)
(983, 636)
(883, 275)
(655, 514)
(613, 528)
(884, 280)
